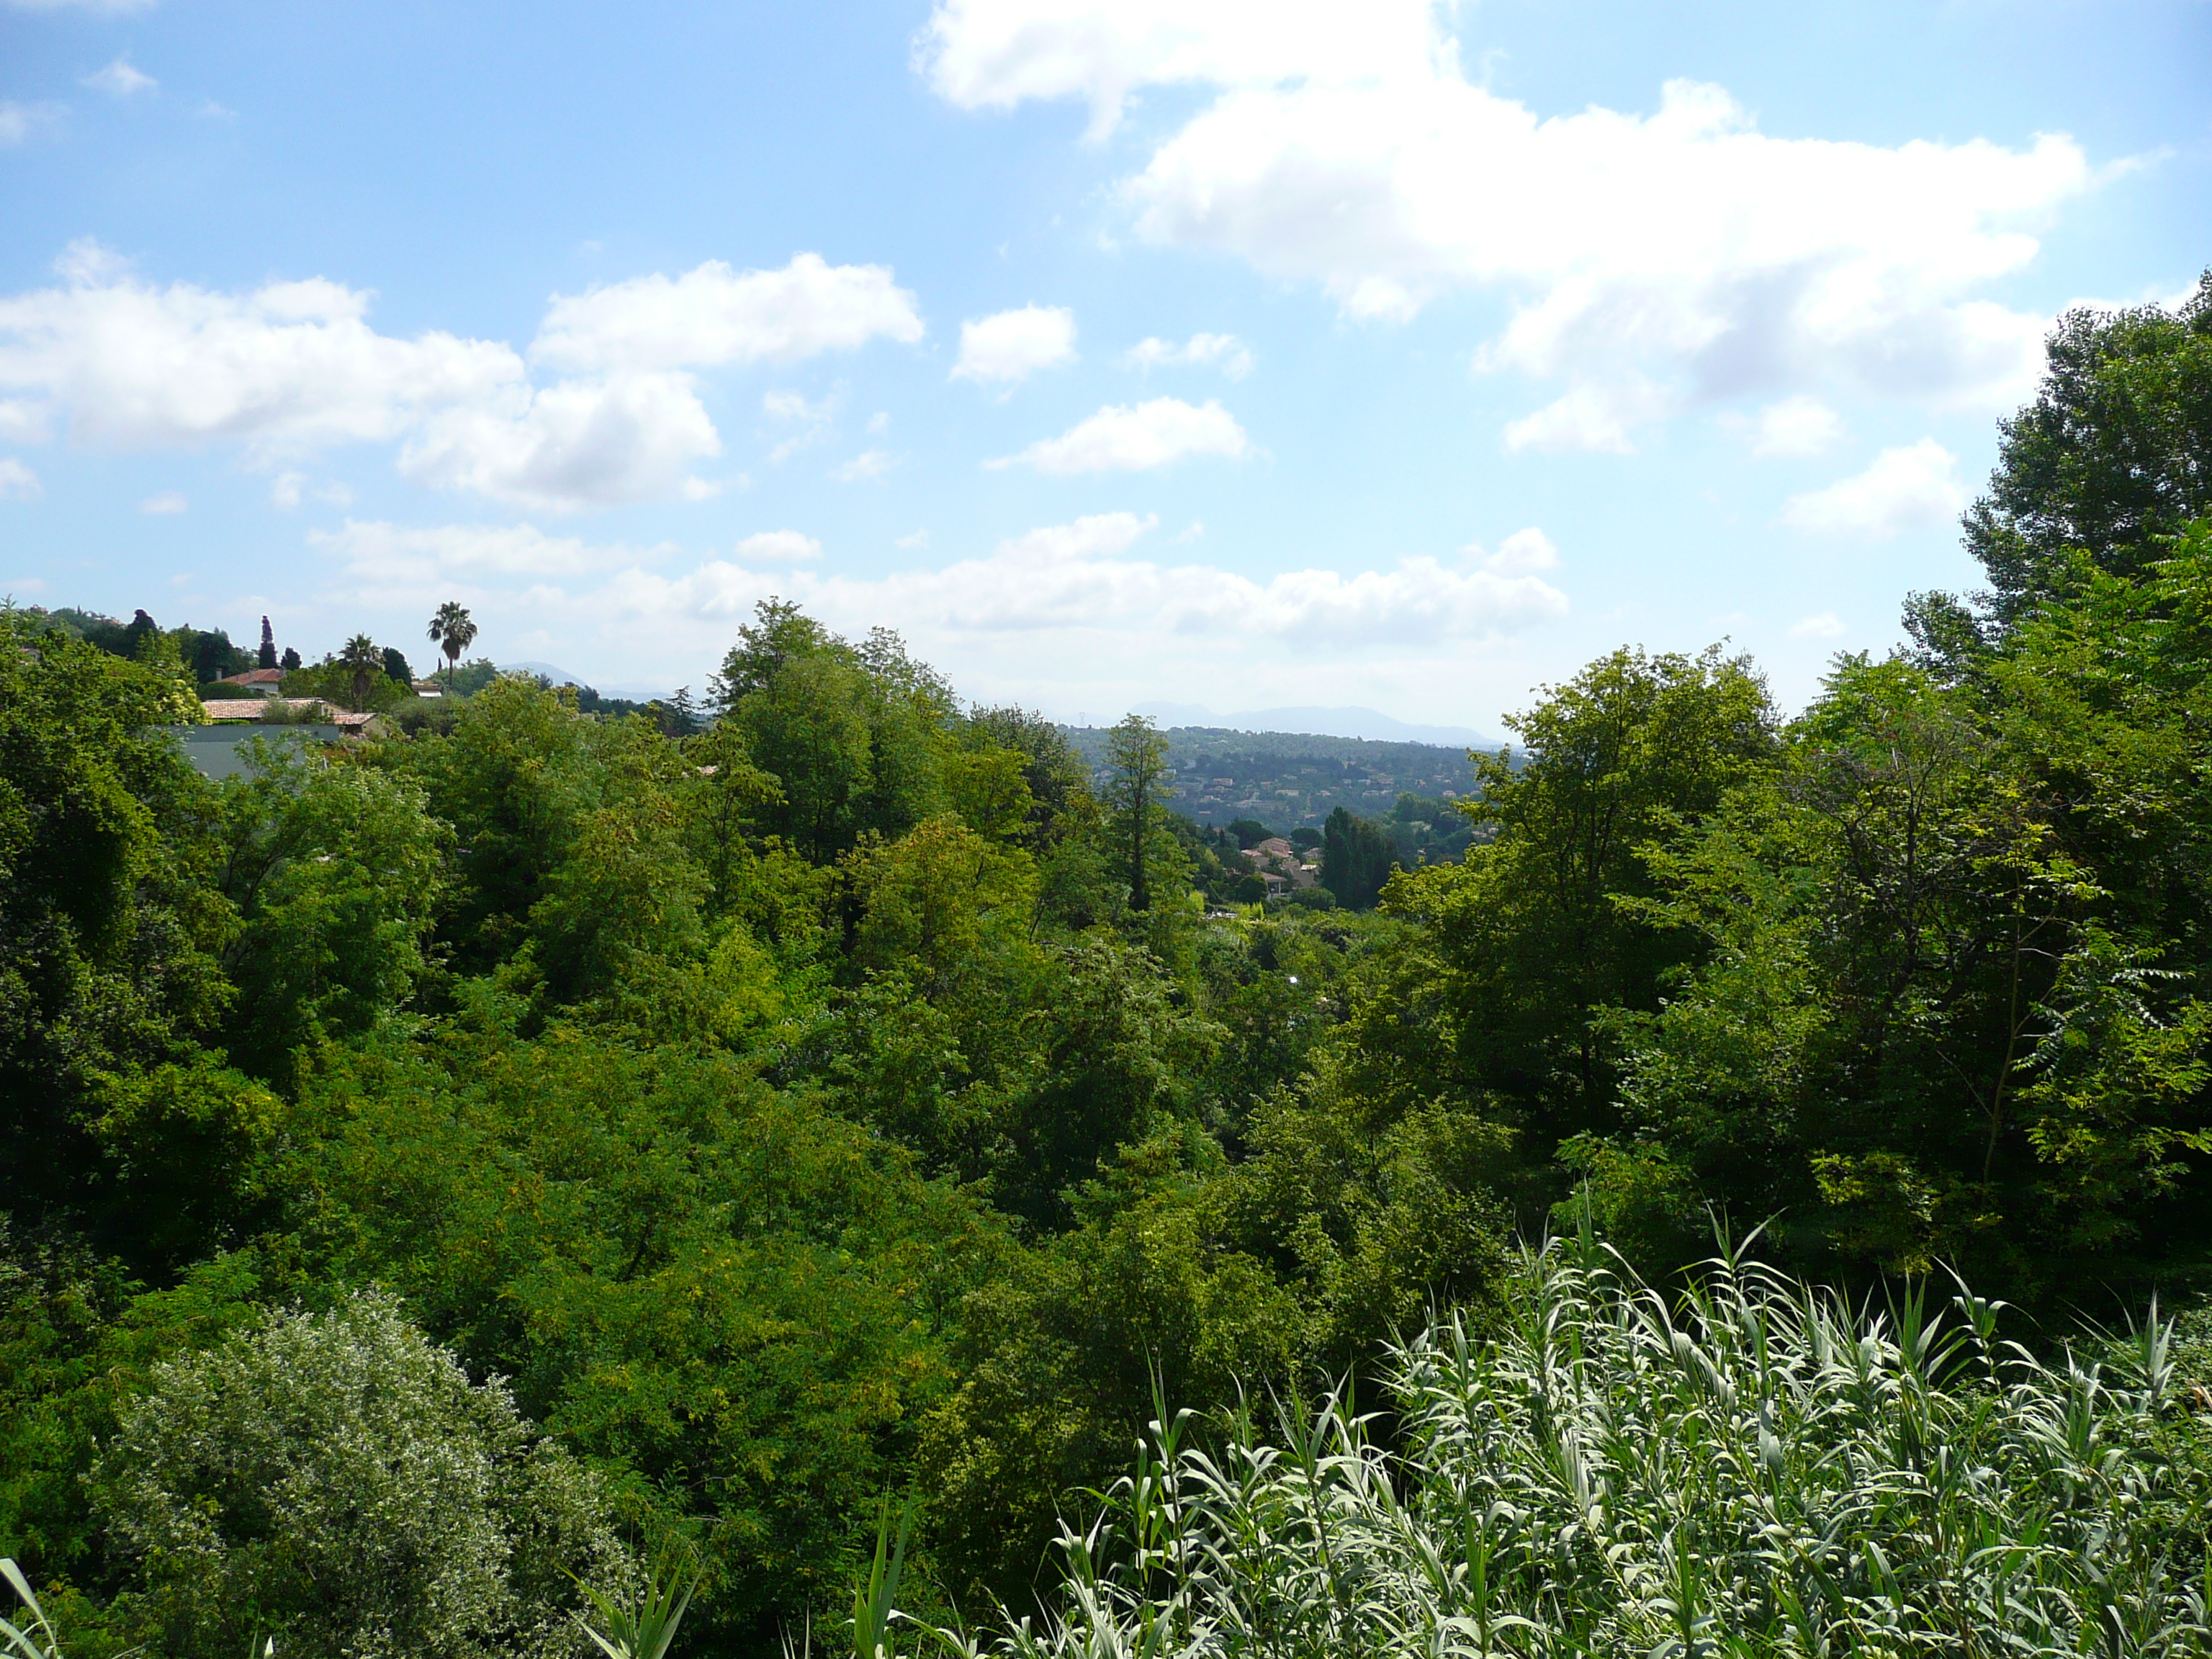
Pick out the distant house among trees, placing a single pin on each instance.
(1276, 862)
(257, 682)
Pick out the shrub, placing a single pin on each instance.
(336, 1481)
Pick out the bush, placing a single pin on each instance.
(336, 1481)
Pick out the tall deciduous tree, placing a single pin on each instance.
(1139, 755)
(2115, 452)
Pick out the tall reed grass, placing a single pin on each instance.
(1753, 1469)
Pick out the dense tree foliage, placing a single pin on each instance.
(2109, 459)
(823, 1091)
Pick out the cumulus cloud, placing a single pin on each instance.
(713, 315)
(128, 365)
(576, 443)
(121, 79)
(994, 54)
(1594, 416)
(778, 547)
(394, 558)
(1823, 625)
(1200, 351)
(1136, 438)
(1009, 346)
(17, 482)
(1524, 553)
(1106, 607)
(1796, 426)
(1345, 146)
(867, 465)
(1907, 488)
(168, 504)
(1076, 578)
(291, 366)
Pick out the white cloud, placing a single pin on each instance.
(576, 443)
(87, 262)
(713, 315)
(290, 365)
(121, 79)
(779, 547)
(1524, 553)
(1200, 351)
(21, 422)
(17, 482)
(391, 558)
(914, 542)
(169, 504)
(868, 464)
(1073, 580)
(287, 488)
(994, 54)
(1136, 438)
(1593, 416)
(1345, 146)
(1094, 613)
(1823, 625)
(1797, 426)
(19, 121)
(794, 406)
(811, 419)
(1009, 346)
(293, 366)
(1907, 488)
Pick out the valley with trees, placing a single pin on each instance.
(1705, 1179)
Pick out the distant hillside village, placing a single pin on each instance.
(1262, 784)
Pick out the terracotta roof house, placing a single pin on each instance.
(1275, 862)
(259, 682)
(256, 711)
(229, 711)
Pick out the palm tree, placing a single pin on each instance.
(453, 633)
(366, 659)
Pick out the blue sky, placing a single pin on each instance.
(1224, 354)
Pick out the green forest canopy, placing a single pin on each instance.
(854, 1095)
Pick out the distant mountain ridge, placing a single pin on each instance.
(1369, 724)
